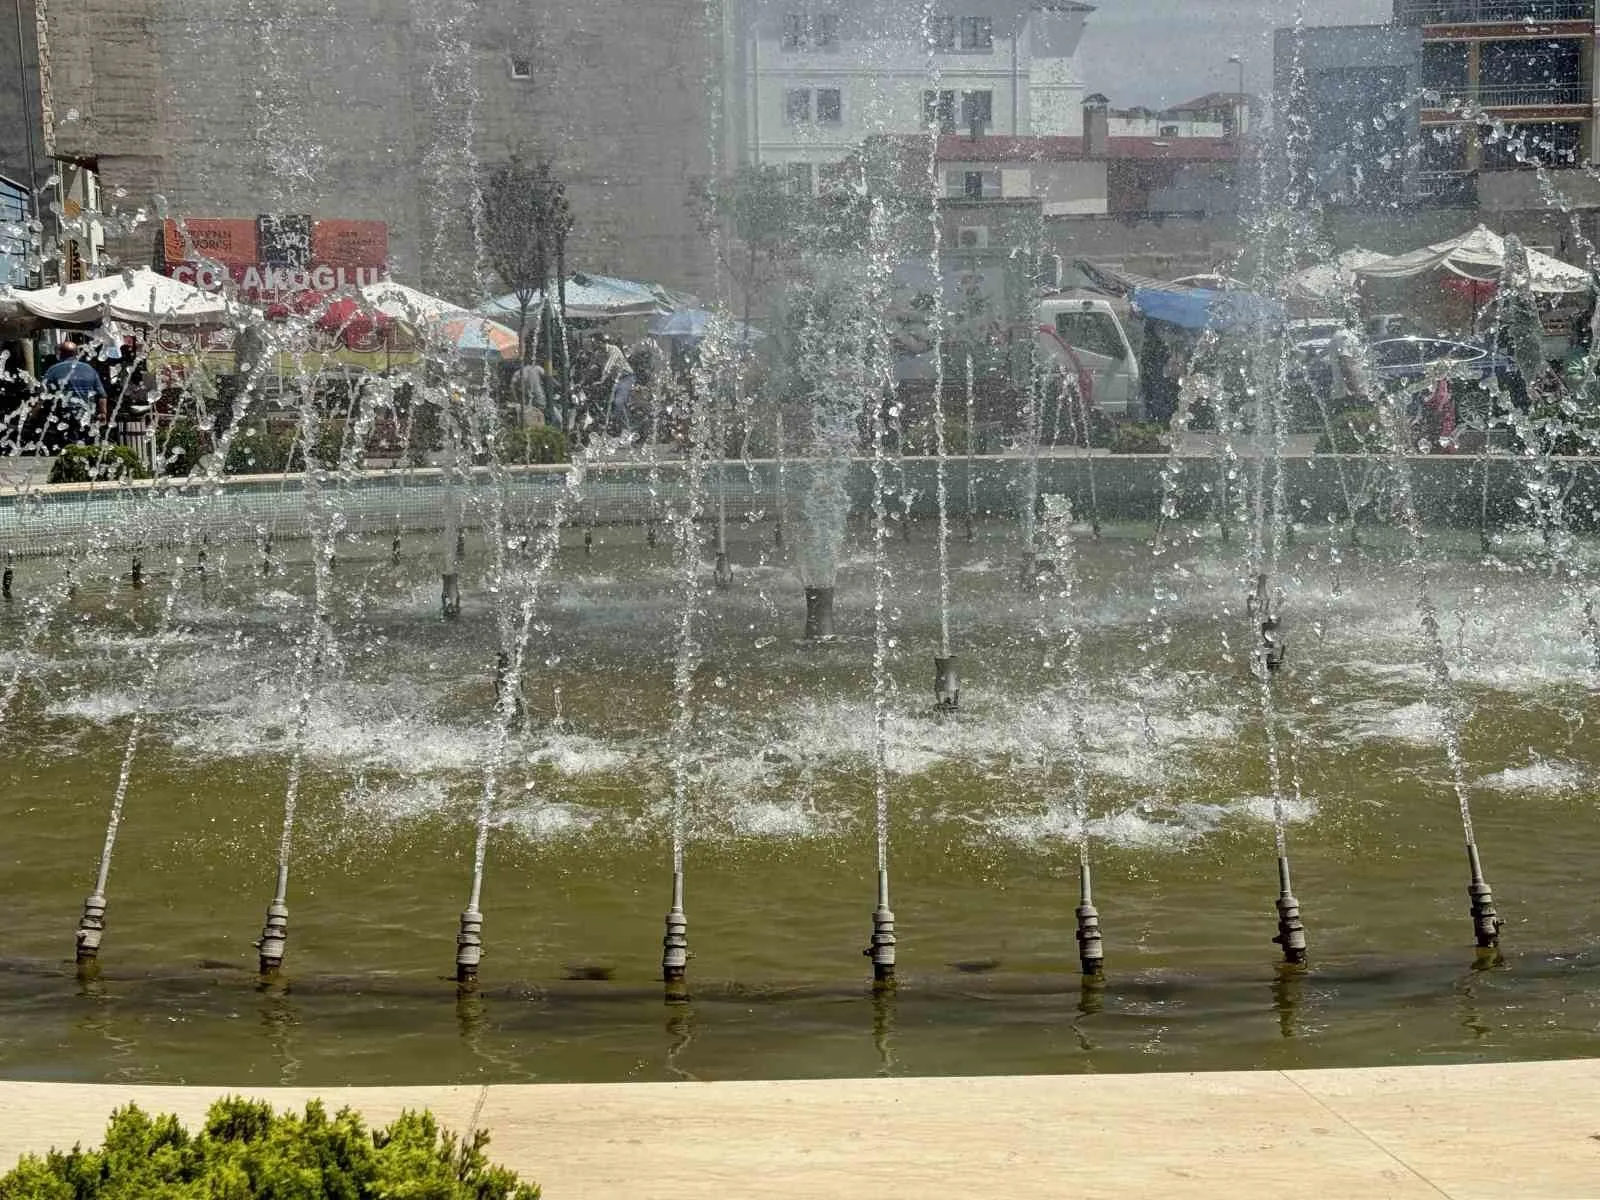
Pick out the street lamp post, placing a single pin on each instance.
(1238, 97)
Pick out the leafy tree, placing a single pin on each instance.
(246, 1151)
(526, 220)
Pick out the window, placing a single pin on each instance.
(1169, 131)
(942, 33)
(797, 106)
(1092, 332)
(977, 110)
(972, 185)
(830, 106)
(1539, 143)
(977, 33)
(798, 179)
(521, 68)
(939, 109)
(818, 32)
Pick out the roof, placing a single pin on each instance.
(1212, 101)
(1003, 149)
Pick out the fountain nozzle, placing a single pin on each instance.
(881, 951)
(946, 684)
(819, 613)
(1291, 930)
(6, 577)
(450, 596)
(1265, 609)
(90, 928)
(136, 576)
(274, 938)
(469, 946)
(722, 572)
(1485, 922)
(675, 945)
(1091, 946)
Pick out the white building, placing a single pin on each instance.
(813, 79)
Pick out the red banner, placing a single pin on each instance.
(210, 252)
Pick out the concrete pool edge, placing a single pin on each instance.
(1476, 1130)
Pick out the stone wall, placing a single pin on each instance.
(392, 110)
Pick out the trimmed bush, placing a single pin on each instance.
(533, 444)
(247, 1151)
(178, 447)
(1355, 431)
(1139, 437)
(81, 464)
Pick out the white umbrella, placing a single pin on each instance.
(589, 298)
(1335, 279)
(408, 304)
(139, 297)
(1480, 254)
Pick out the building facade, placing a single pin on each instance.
(1354, 92)
(1506, 84)
(392, 111)
(811, 80)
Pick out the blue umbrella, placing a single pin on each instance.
(1201, 308)
(691, 324)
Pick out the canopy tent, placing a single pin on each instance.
(139, 297)
(1335, 279)
(589, 298)
(1480, 254)
(1200, 308)
(694, 324)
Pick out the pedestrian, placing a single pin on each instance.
(76, 393)
(619, 373)
(528, 393)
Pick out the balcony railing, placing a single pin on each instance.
(1508, 95)
(1451, 12)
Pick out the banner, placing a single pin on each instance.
(275, 257)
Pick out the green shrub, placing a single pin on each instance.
(178, 447)
(80, 464)
(1355, 431)
(246, 1150)
(533, 444)
(257, 450)
(1139, 437)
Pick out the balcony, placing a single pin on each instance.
(1509, 95)
(1465, 12)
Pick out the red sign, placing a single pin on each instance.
(267, 258)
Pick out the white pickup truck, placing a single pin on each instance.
(1082, 333)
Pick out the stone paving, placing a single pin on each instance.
(1472, 1131)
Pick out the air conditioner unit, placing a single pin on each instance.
(973, 237)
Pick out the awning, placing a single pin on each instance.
(1480, 254)
(1201, 309)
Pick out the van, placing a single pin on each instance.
(1083, 333)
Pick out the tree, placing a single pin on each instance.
(526, 223)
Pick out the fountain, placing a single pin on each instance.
(1117, 727)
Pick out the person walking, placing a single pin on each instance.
(618, 372)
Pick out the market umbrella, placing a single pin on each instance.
(692, 325)
(589, 298)
(139, 297)
(1335, 279)
(1200, 308)
(416, 308)
(475, 337)
(1480, 254)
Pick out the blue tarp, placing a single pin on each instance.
(1201, 309)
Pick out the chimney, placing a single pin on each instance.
(1096, 125)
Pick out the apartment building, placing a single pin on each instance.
(814, 79)
(1506, 84)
